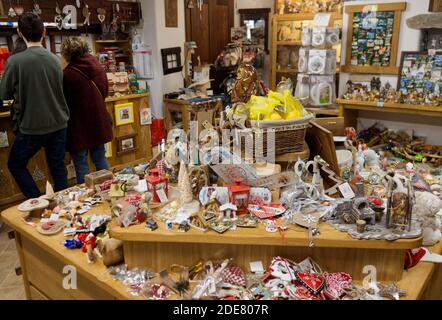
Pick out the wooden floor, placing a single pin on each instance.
(11, 285)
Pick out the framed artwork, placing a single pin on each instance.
(124, 114)
(108, 149)
(435, 6)
(171, 11)
(171, 60)
(373, 37)
(145, 116)
(126, 144)
(420, 72)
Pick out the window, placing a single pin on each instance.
(171, 60)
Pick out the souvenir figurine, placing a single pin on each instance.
(152, 225)
(228, 211)
(169, 225)
(400, 204)
(428, 210)
(184, 226)
(359, 160)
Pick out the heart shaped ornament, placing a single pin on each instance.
(313, 282)
(59, 22)
(101, 14)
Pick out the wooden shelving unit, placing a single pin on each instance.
(304, 19)
(349, 109)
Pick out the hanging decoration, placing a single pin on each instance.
(86, 15)
(78, 4)
(58, 19)
(11, 11)
(70, 17)
(101, 15)
(36, 10)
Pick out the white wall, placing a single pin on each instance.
(409, 40)
(155, 34)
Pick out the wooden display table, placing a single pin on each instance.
(43, 258)
(204, 111)
(349, 109)
(9, 191)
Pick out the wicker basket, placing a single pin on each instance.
(289, 136)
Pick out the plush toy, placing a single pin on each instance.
(428, 209)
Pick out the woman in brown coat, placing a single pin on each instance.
(85, 88)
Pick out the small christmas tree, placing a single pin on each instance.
(184, 185)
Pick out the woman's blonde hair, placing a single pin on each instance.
(74, 47)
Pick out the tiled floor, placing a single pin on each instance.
(11, 285)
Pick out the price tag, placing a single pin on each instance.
(322, 20)
(162, 195)
(346, 191)
(256, 267)
(54, 217)
(380, 104)
(142, 186)
(431, 52)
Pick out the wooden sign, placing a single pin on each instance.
(171, 11)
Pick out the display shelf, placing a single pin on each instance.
(111, 41)
(289, 43)
(287, 71)
(127, 97)
(304, 19)
(295, 236)
(349, 109)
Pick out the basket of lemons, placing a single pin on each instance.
(278, 121)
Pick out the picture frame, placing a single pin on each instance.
(435, 6)
(171, 13)
(145, 116)
(127, 144)
(419, 71)
(373, 38)
(124, 114)
(171, 58)
(108, 150)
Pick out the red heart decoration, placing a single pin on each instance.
(313, 282)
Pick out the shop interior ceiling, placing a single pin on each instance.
(129, 12)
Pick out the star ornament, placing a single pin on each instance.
(309, 219)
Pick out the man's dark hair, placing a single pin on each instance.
(31, 27)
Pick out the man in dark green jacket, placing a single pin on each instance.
(35, 77)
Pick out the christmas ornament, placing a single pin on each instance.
(234, 276)
(313, 282)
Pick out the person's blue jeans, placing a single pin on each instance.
(25, 147)
(98, 155)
